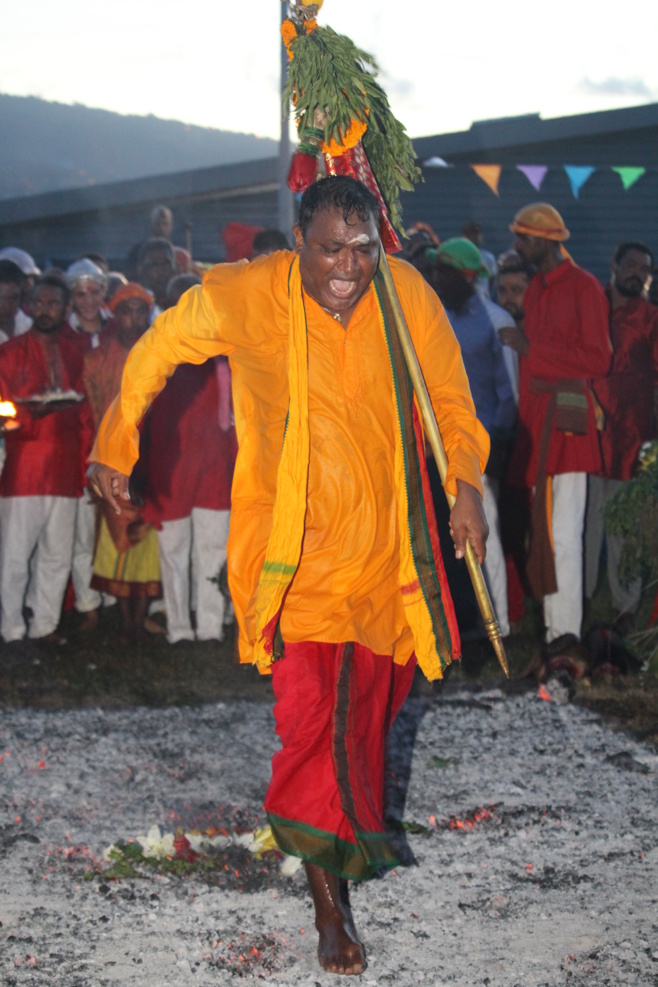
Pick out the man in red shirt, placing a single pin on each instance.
(192, 449)
(627, 398)
(564, 346)
(43, 473)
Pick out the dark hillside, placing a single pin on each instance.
(47, 147)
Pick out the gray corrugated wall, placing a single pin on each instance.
(602, 216)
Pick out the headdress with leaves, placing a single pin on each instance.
(343, 114)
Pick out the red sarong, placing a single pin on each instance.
(335, 705)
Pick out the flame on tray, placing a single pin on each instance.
(8, 421)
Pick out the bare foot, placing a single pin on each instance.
(89, 622)
(339, 949)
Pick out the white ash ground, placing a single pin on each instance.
(558, 887)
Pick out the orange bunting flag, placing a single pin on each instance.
(490, 174)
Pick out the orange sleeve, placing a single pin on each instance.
(189, 333)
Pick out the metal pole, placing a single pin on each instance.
(285, 199)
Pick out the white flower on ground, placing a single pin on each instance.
(290, 865)
(200, 842)
(157, 844)
(259, 842)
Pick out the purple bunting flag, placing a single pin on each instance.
(534, 173)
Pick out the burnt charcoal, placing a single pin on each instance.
(566, 654)
(627, 762)
(555, 886)
(560, 687)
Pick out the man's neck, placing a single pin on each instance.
(48, 337)
(90, 326)
(617, 300)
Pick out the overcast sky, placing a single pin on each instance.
(443, 65)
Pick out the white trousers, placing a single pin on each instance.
(563, 611)
(82, 569)
(192, 552)
(625, 599)
(494, 570)
(36, 547)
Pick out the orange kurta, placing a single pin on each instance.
(346, 587)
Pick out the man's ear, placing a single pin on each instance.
(299, 237)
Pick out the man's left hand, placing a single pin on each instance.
(109, 485)
(468, 523)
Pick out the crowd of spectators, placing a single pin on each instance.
(563, 372)
(64, 338)
(564, 375)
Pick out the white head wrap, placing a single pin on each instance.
(85, 270)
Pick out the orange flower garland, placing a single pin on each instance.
(349, 139)
(288, 33)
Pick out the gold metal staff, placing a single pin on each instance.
(436, 443)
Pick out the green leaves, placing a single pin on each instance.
(633, 513)
(330, 74)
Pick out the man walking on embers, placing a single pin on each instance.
(334, 566)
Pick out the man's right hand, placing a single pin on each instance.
(512, 336)
(108, 484)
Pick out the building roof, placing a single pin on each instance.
(219, 181)
(495, 136)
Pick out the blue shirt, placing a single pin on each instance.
(482, 353)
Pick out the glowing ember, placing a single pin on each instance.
(7, 409)
(469, 822)
(543, 693)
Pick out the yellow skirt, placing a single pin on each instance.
(134, 573)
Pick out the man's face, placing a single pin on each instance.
(156, 270)
(86, 300)
(531, 249)
(453, 287)
(338, 259)
(632, 274)
(163, 224)
(10, 299)
(133, 319)
(48, 308)
(511, 293)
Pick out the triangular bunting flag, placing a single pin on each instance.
(436, 162)
(489, 174)
(578, 175)
(629, 176)
(534, 173)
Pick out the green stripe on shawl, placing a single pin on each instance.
(418, 528)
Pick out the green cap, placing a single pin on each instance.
(460, 253)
